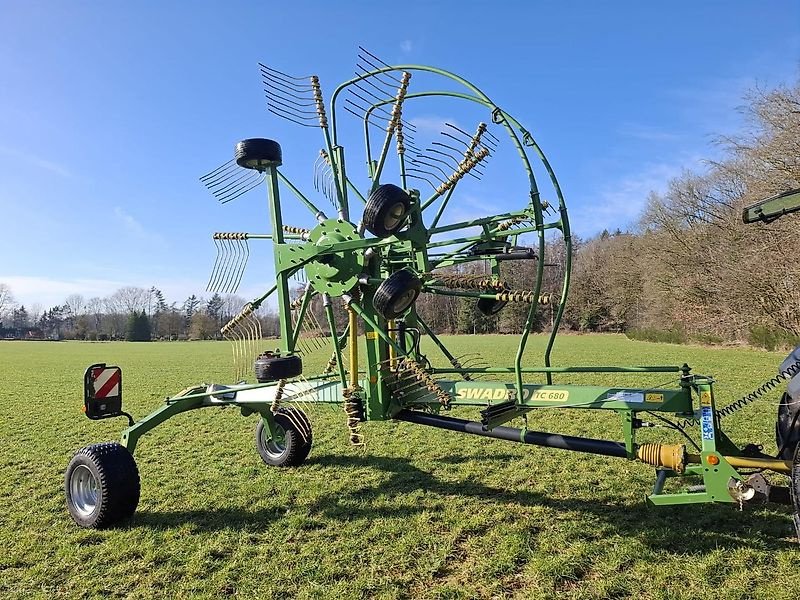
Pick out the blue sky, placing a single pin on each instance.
(110, 111)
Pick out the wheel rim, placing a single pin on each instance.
(83, 490)
(394, 216)
(404, 301)
(274, 447)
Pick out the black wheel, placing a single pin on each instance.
(101, 485)
(794, 489)
(271, 367)
(257, 153)
(490, 306)
(395, 295)
(787, 432)
(386, 210)
(292, 446)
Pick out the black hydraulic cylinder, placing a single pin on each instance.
(512, 434)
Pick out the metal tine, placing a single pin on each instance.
(458, 162)
(250, 185)
(461, 153)
(361, 115)
(272, 84)
(406, 124)
(374, 99)
(216, 264)
(222, 187)
(288, 117)
(223, 177)
(493, 141)
(390, 87)
(290, 104)
(290, 109)
(420, 161)
(228, 165)
(425, 179)
(285, 76)
(221, 268)
(245, 258)
(417, 164)
(233, 259)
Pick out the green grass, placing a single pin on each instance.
(420, 513)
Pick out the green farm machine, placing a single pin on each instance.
(349, 281)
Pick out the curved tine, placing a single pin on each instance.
(390, 75)
(214, 268)
(416, 168)
(412, 147)
(492, 136)
(462, 151)
(245, 258)
(365, 109)
(422, 161)
(221, 176)
(439, 152)
(284, 115)
(372, 98)
(294, 102)
(221, 188)
(293, 99)
(282, 74)
(256, 182)
(392, 90)
(425, 179)
(232, 266)
(459, 156)
(223, 166)
(291, 108)
(233, 187)
(268, 78)
(223, 265)
(362, 117)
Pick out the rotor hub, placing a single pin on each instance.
(334, 273)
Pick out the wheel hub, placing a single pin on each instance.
(335, 273)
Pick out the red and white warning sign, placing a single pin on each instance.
(106, 381)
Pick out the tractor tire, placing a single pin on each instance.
(787, 426)
(490, 306)
(257, 153)
(794, 490)
(396, 294)
(386, 210)
(101, 485)
(269, 367)
(297, 438)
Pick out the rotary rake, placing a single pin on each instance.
(397, 232)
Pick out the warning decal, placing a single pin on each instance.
(106, 382)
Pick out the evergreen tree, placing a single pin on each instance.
(138, 329)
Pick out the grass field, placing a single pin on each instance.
(419, 513)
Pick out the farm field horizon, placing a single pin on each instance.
(417, 513)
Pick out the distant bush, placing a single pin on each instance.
(707, 338)
(670, 336)
(770, 338)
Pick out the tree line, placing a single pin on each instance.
(688, 269)
(129, 313)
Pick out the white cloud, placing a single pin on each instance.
(36, 161)
(432, 124)
(406, 46)
(135, 228)
(619, 202)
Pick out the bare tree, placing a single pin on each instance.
(7, 302)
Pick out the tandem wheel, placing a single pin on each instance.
(291, 446)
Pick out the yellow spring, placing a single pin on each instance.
(246, 312)
(464, 167)
(332, 362)
(523, 296)
(476, 139)
(421, 375)
(222, 235)
(323, 119)
(472, 282)
(276, 403)
(352, 410)
(297, 230)
(505, 225)
(397, 109)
